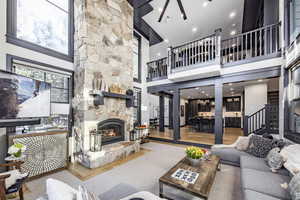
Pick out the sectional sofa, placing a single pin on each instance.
(258, 182)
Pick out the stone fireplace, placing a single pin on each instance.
(103, 53)
(111, 130)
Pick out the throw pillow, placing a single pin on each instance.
(57, 190)
(14, 176)
(274, 159)
(259, 146)
(294, 187)
(242, 143)
(84, 194)
(291, 155)
(278, 143)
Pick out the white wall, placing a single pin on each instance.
(256, 97)
(6, 48)
(145, 100)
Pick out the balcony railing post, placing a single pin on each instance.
(218, 45)
(170, 61)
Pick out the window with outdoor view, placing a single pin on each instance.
(43, 23)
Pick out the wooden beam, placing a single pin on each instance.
(182, 9)
(163, 11)
(218, 112)
(171, 113)
(161, 113)
(176, 114)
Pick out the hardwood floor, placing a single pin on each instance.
(190, 135)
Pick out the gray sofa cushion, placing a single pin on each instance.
(266, 183)
(229, 155)
(251, 162)
(253, 195)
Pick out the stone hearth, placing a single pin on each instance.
(110, 153)
(103, 52)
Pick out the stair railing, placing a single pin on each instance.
(264, 120)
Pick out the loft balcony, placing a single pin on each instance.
(208, 56)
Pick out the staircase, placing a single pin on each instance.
(265, 120)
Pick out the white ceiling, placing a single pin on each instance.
(234, 89)
(206, 19)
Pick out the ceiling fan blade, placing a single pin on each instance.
(163, 11)
(181, 9)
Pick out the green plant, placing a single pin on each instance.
(195, 152)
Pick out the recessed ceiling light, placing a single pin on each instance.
(233, 25)
(158, 54)
(232, 14)
(160, 9)
(205, 3)
(195, 29)
(166, 41)
(233, 32)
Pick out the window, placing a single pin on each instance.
(295, 102)
(137, 105)
(59, 83)
(43, 26)
(137, 57)
(294, 19)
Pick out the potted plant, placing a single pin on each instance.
(195, 155)
(16, 150)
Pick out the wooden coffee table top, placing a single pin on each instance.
(207, 171)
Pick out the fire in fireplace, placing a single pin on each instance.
(112, 130)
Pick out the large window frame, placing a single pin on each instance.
(139, 38)
(11, 31)
(138, 104)
(291, 98)
(11, 59)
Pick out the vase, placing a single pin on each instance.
(194, 162)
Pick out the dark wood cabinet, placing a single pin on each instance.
(233, 122)
(233, 104)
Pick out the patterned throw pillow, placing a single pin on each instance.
(259, 146)
(294, 187)
(84, 194)
(274, 159)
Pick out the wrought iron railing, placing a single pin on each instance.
(194, 53)
(157, 69)
(260, 42)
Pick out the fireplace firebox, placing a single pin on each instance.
(112, 130)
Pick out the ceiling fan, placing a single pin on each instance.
(180, 7)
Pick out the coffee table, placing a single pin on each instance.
(201, 188)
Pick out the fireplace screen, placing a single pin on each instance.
(111, 130)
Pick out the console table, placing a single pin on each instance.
(45, 151)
